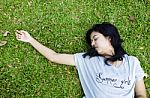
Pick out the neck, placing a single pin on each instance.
(116, 63)
(109, 54)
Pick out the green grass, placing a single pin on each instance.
(61, 25)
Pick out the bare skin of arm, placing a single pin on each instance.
(50, 54)
(140, 89)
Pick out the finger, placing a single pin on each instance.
(18, 32)
(18, 39)
(18, 36)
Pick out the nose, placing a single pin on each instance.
(93, 43)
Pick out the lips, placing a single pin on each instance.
(95, 46)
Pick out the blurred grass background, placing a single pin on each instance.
(61, 26)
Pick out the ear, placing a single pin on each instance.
(108, 37)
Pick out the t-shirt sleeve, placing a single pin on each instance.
(139, 72)
(78, 57)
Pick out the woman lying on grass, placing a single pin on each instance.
(105, 70)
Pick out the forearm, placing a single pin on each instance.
(46, 52)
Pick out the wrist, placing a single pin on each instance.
(31, 40)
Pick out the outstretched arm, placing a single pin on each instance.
(51, 55)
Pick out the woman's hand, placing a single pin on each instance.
(23, 36)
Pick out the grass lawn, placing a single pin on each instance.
(61, 25)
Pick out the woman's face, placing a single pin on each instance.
(102, 44)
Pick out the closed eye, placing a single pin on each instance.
(95, 38)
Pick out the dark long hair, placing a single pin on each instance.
(108, 30)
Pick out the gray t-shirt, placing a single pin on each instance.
(99, 80)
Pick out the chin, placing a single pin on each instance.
(100, 52)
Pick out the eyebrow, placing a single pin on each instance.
(94, 36)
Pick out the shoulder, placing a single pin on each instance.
(132, 58)
(79, 55)
(133, 61)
